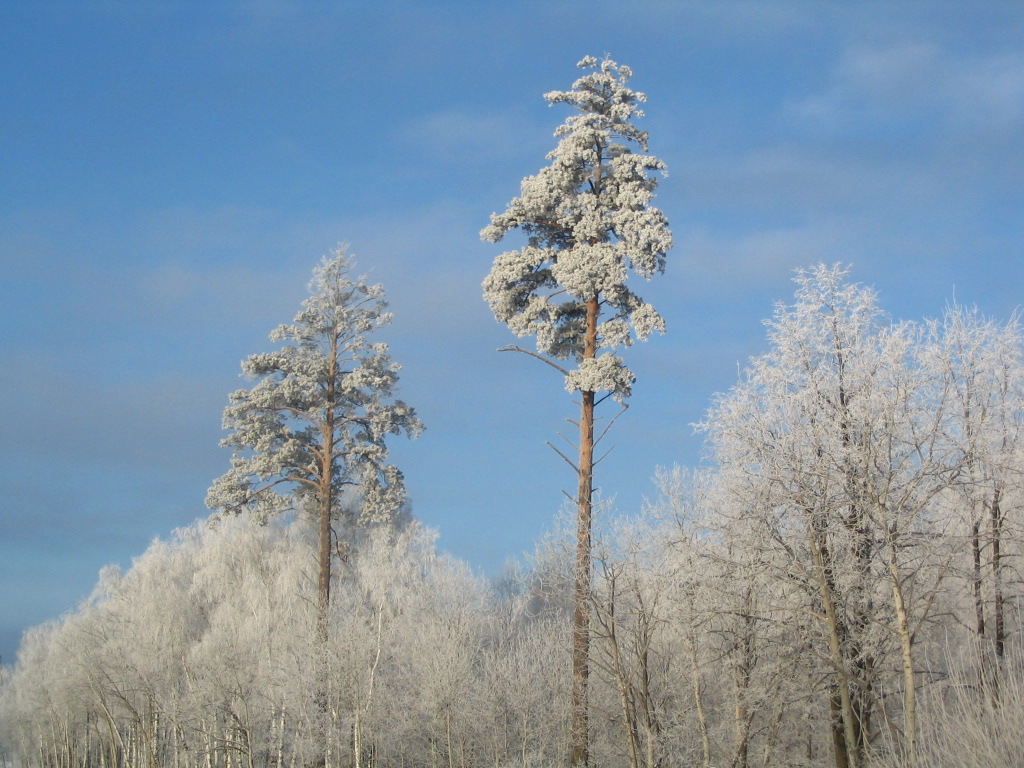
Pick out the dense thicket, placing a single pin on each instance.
(839, 586)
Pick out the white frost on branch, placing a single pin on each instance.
(320, 411)
(589, 222)
(604, 373)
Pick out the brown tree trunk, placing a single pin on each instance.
(698, 700)
(579, 736)
(999, 636)
(844, 722)
(907, 656)
(326, 497)
(324, 583)
(979, 603)
(326, 493)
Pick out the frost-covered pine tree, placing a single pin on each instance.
(310, 434)
(589, 222)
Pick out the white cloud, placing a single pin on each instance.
(740, 263)
(991, 91)
(919, 83)
(462, 136)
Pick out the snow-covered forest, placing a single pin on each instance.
(838, 583)
(853, 544)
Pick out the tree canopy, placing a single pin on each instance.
(589, 221)
(315, 423)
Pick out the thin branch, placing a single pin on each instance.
(565, 458)
(603, 455)
(534, 354)
(614, 418)
(569, 442)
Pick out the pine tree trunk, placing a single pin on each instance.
(326, 502)
(580, 737)
(326, 491)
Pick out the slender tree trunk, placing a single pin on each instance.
(652, 725)
(837, 726)
(844, 732)
(621, 682)
(741, 679)
(279, 741)
(698, 700)
(979, 603)
(326, 500)
(326, 493)
(774, 724)
(907, 655)
(999, 630)
(324, 583)
(580, 736)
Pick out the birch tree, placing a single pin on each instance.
(789, 440)
(835, 451)
(310, 435)
(629, 614)
(588, 219)
(981, 361)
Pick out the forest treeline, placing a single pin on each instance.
(839, 584)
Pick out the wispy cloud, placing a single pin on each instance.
(459, 135)
(917, 82)
(738, 263)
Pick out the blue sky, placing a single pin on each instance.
(171, 172)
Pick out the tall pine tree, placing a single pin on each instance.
(310, 435)
(589, 221)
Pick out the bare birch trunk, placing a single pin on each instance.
(698, 701)
(979, 603)
(999, 630)
(622, 684)
(907, 656)
(741, 713)
(846, 746)
(280, 723)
